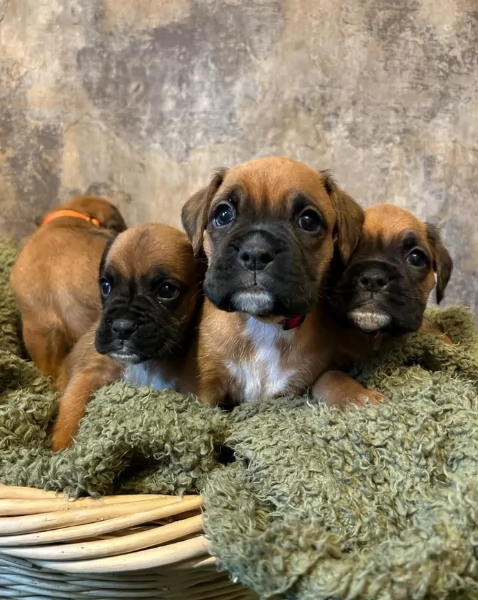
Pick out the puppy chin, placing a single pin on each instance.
(369, 319)
(121, 352)
(125, 357)
(258, 303)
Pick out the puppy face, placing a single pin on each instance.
(149, 284)
(386, 284)
(269, 228)
(106, 213)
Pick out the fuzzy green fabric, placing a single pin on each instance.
(379, 503)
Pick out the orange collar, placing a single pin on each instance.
(69, 213)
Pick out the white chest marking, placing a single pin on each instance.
(261, 375)
(149, 374)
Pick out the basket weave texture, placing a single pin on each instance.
(139, 546)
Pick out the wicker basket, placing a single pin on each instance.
(144, 546)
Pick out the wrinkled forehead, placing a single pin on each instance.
(274, 188)
(389, 225)
(138, 253)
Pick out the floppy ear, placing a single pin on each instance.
(114, 220)
(442, 261)
(104, 256)
(41, 217)
(194, 212)
(350, 217)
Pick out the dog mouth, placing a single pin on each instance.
(369, 319)
(258, 302)
(125, 357)
(264, 298)
(128, 353)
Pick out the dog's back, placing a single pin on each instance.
(55, 282)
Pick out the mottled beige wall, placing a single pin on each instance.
(142, 99)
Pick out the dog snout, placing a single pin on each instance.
(256, 253)
(373, 281)
(375, 277)
(123, 328)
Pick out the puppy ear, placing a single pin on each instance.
(442, 261)
(114, 221)
(350, 217)
(104, 256)
(194, 212)
(41, 217)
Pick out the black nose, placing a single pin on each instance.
(256, 253)
(124, 328)
(374, 280)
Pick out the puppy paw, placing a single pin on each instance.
(59, 442)
(365, 397)
(432, 331)
(339, 390)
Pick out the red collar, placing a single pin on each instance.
(292, 323)
(65, 212)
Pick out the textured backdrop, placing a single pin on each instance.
(141, 99)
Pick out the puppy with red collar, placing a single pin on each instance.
(55, 276)
(269, 228)
(150, 286)
(383, 291)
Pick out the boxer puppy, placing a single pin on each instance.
(149, 285)
(383, 292)
(54, 279)
(269, 229)
(388, 280)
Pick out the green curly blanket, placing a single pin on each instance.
(378, 503)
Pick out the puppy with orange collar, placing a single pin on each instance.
(269, 228)
(150, 287)
(383, 291)
(55, 278)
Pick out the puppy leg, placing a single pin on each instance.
(338, 389)
(430, 330)
(72, 409)
(211, 396)
(64, 375)
(47, 347)
(77, 395)
(206, 386)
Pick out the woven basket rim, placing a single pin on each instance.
(102, 535)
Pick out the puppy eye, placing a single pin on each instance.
(309, 221)
(168, 291)
(417, 258)
(224, 214)
(105, 287)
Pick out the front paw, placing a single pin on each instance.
(365, 397)
(337, 389)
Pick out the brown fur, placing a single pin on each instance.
(83, 372)
(387, 223)
(224, 338)
(55, 279)
(133, 255)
